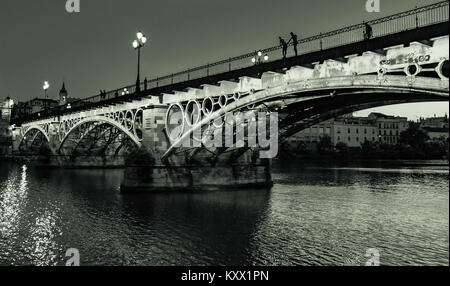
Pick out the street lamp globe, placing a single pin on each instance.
(259, 54)
(139, 35)
(144, 40)
(135, 44)
(253, 60)
(266, 58)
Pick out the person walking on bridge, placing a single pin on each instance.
(294, 40)
(284, 45)
(367, 31)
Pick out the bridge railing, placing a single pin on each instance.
(409, 20)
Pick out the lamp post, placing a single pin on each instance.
(258, 58)
(45, 87)
(137, 45)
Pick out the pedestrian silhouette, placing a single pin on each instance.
(294, 40)
(285, 47)
(145, 84)
(367, 31)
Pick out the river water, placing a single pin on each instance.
(315, 214)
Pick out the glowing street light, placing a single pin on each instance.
(137, 45)
(45, 87)
(259, 58)
(125, 91)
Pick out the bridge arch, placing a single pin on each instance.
(31, 136)
(38, 128)
(316, 96)
(84, 127)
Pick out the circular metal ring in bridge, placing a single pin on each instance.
(382, 71)
(121, 118)
(223, 100)
(193, 113)
(138, 124)
(412, 70)
(208, 106)
(175, 116)
(237, 96)
(442, 69)
(129, 120)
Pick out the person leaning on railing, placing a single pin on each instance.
(367, 31)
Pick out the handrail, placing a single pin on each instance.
(423, 16)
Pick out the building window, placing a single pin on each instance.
(349, 139)
(349, 131)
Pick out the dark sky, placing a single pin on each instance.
(92, 50)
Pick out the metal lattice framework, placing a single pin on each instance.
(113, 129)
(34, 137)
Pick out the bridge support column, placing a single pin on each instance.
(177, 173)
(148, 179)
(53, 135)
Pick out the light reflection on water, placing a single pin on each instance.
(314, 215)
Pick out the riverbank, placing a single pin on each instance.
(349, 162)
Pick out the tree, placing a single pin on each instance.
(324, 145)
(342, 147)
(414, 137)
(301, 148)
